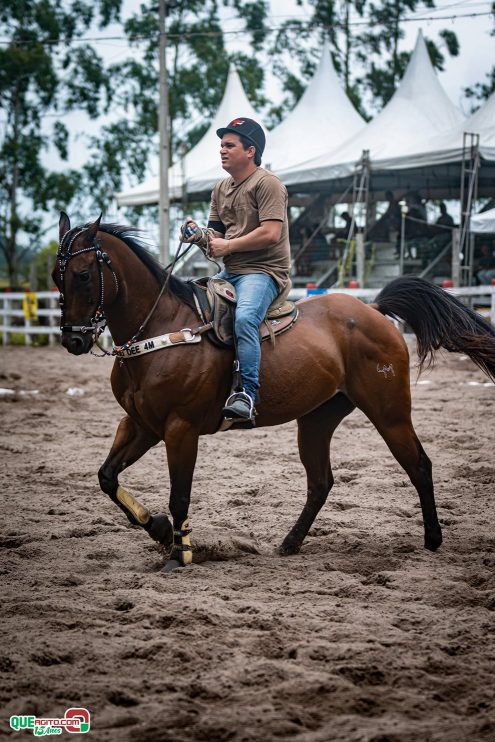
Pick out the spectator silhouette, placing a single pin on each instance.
(349, 228)
(416, 216)
(445, 220)
(388, 222)
(316, 250)
(486, 265)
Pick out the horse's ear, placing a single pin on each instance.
(63, 225)
(90, 234)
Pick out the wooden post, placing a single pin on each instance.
(6, 320)
(52, 304)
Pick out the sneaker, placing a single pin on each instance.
(239, 406)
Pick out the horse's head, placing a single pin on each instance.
(79, 275)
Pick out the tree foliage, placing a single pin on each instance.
(45, 73)
(481, 91)
(42, 76)
(197, 65)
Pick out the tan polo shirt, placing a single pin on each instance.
(242, 208)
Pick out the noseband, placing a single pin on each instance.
(98, 320)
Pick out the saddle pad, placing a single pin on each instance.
(217, 298)
(270, 328)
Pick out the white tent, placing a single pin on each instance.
(448, 146)
(418, 111)
(205, 155)
(483, 223)
(322, 118)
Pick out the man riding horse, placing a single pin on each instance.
(248, 228)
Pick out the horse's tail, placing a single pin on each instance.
(439, 320)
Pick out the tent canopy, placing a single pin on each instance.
(323, 117)
(483, 223)
(415, 142)
(419, 110)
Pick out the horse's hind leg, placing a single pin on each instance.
(407, 449)
(131, 442)
(315, 431)
(391, 415)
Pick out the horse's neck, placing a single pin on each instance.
(137, 294)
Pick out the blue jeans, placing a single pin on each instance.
(255, 293)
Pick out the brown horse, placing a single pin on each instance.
(339, 355)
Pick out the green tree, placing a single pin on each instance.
(43, 75)
(482, 90)
(45, 260)
(197, 65)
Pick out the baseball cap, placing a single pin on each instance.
(247, 128)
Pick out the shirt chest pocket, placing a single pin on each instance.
(233, 213)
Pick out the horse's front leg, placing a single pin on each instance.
(131, 442)
(181, 441)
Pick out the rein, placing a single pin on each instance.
(120, 350)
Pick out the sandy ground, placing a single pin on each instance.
(362, 636)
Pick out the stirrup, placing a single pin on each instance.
(231, 414)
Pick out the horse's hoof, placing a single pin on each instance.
(160, 529)
(171, 565)
(433, 542)
(288, 549)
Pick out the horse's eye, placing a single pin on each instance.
(83, 277)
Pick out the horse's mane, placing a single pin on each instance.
(132, 237)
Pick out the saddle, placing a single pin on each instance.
(216, 300)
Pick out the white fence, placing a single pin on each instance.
(13, 319)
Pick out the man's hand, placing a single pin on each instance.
(190, 232)
(219, 247)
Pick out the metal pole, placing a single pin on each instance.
(456, 256)
(403, 212)
(164, 142)
(360, 259)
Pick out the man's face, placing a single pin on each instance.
(233, 155)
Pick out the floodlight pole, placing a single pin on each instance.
(164, 204)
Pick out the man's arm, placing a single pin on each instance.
(268, 233)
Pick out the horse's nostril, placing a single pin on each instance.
(75, 344)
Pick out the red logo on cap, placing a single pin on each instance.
(237, 122)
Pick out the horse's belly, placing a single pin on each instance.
(298, 376)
